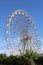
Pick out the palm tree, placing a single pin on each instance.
(30, 56)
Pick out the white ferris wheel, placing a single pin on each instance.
(21, 33)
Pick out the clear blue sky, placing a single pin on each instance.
(33, 7)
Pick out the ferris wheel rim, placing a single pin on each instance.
(16, 12)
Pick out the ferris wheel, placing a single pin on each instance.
(21, 33)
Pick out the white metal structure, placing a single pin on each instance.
(21, 33)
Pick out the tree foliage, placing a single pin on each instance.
(29, 58)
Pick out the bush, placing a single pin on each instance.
(29, 58)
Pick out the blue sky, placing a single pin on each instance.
(33, 7)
